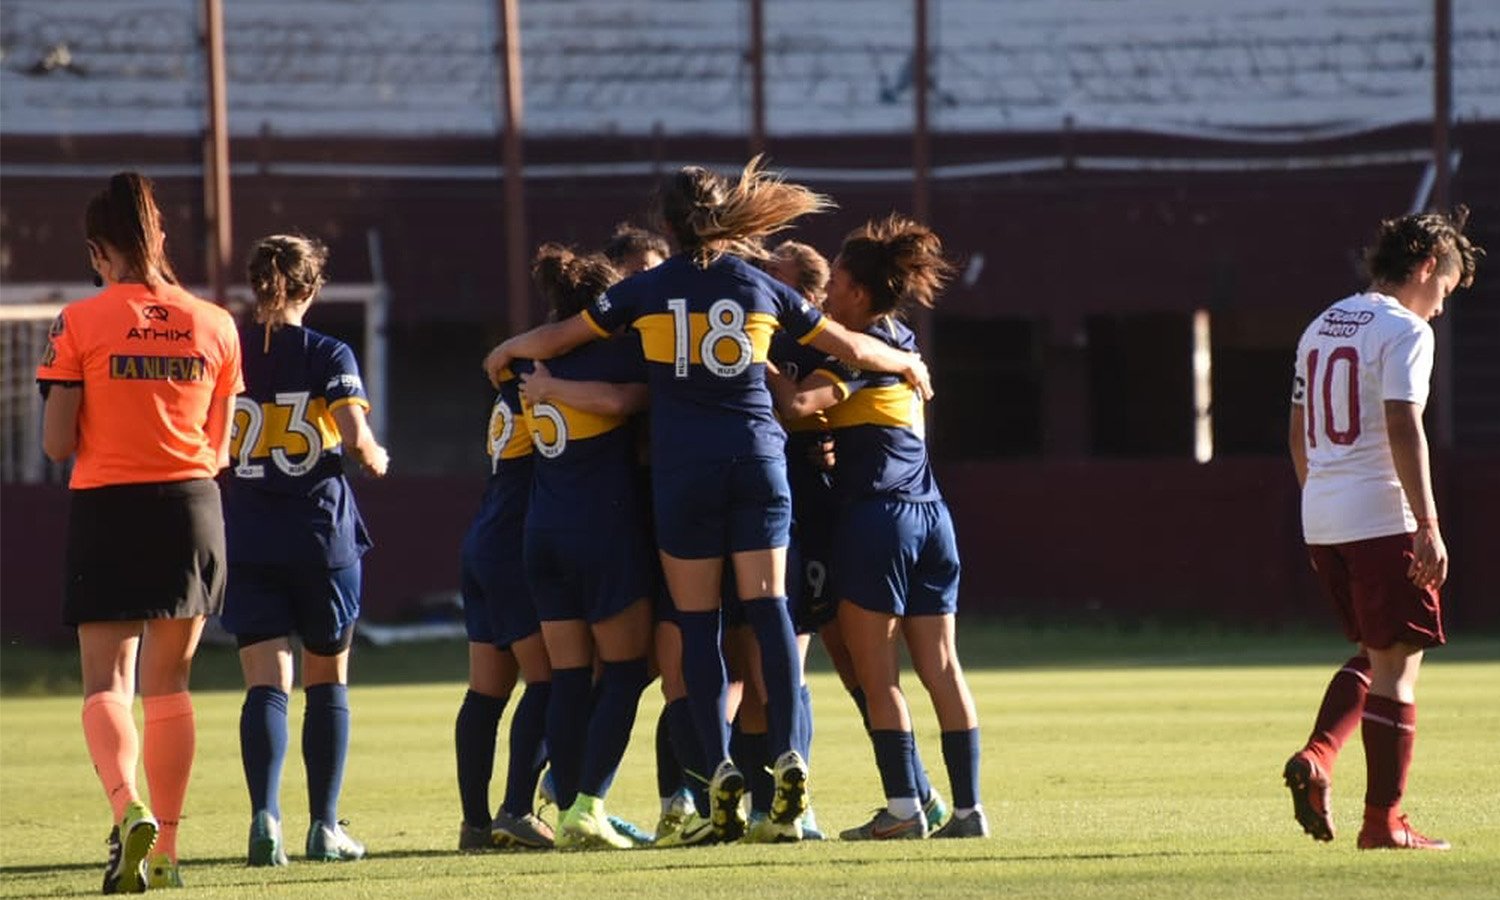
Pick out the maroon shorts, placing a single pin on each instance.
(1377, 604)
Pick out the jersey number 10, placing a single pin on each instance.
(1346, 390)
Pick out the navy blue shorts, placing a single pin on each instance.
(589, 574)
(715, 509)
(314, 602)
(814, 598)
(897, 557)
(498, 608)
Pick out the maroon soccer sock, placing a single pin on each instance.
(1338, 716)
(1389, 729)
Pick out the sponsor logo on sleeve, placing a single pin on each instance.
(602, 304)
(345, 381)
(56, 329)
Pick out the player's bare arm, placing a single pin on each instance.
(601, 398)
(542, 342)
(60, 422)
(1408, 440)
(1296, 441)
(220, 415)
(359, 441)
(865, 352)
(794, 400)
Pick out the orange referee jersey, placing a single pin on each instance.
(151, 364)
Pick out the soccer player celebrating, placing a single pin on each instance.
(587, 560)
(505, 639)
(1369, 515)
(894, 551)
(706, 318)
(139, 383)
(295, 543)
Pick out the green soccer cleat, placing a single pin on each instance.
(523, 832)
(974, 825)
(761, 830)
(129, 844)
(679, 807)
(886, 827)
(585, 826)
(327, 843)
(163, 872)
(790, 801)
(725, 790)
(695, 831)
(935, 811)
(265, 841)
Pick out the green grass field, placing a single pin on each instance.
(1116, 764)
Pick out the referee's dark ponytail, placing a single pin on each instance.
(124, 216)
(284, 270)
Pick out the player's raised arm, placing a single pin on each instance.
(542, 342)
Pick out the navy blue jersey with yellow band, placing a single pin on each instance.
(507, 443)
(879, 433)
(287, 500)
(706, 334)
(586, 470)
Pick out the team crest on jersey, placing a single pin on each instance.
(1341, 324)
(347, 381)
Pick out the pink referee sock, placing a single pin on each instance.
(114, 746)
(171, 738)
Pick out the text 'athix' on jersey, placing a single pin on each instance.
(157, 368)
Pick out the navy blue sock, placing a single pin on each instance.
(620, 684)
(528, 729)
(263, 739)
(778, 662)
(924, 786)
(325, 748)
(804, 723)
(750, 754)
(689, 752)
(961, 754)
(567, 726)
(703, 671)
(893, 752)
(668, 771)
(474, 745)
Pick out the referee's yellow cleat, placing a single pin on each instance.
(129, 843)
(163, 872)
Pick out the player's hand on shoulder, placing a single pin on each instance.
(917, 376)
(495, 362)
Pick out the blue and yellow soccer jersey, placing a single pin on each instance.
(586, 473)
(287, 500)
(706, 334)
(879, 434)
(507, 443)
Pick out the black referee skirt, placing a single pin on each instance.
(145, 551)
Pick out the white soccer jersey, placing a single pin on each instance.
(1360, 352)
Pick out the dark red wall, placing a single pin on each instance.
(1115, 541)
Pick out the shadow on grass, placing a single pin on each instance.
(648, 860)
(27, 669)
